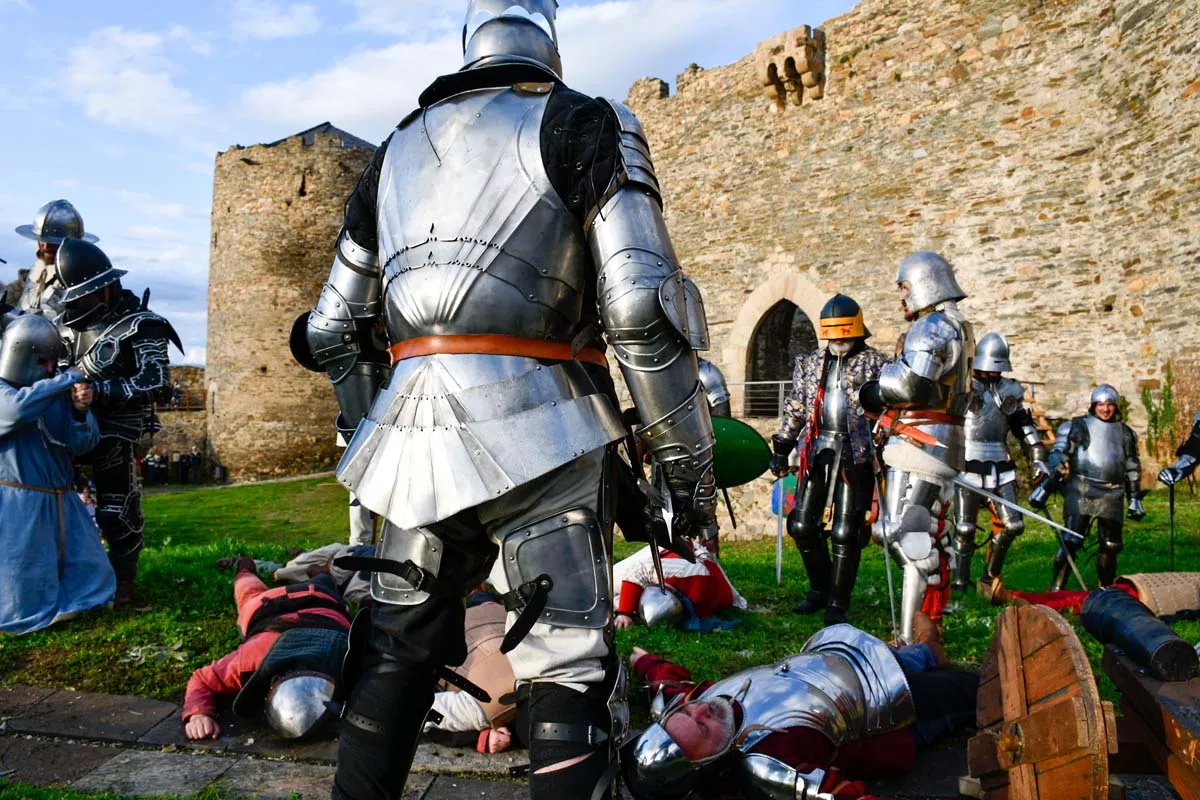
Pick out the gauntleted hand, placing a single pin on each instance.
(1136, 511)
(1040, 470)
(1171, 476)
(781, 451)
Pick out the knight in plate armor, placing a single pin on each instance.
(1098, 455)
(716, 388)
(923, 397)
(997, 407)
(38, 289)
(120, 345)
(801, 729)
(1187, 456)
(837, 457)
(507, 227)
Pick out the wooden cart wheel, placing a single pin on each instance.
(1044, 733)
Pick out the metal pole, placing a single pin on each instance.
(1171, 515)
(779, 533)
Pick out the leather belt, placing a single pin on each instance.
(493, 344)
(62, 519)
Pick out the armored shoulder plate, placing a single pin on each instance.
(934, 345)
(636, 166)
(103, 355)
(1011, 395)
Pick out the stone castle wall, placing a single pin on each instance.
(277, 210)
(1046, 148)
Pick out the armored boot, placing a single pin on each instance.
(1062, 569)
(996, 553)
(845, 571)
(1106, 567)
(965, 545)
(818, 565)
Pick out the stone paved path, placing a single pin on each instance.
(136, 746)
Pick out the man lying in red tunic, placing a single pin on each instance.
(286, 668)
(845, 708)
(695, 591)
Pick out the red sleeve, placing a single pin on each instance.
(653, 669)
(888, 755)
(224, 676)
(627, 600)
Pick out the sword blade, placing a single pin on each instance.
(1054, 526)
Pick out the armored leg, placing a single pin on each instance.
(805, 528)
(966, 512)
(1110, 535)
(1013, 525)
(914, 527)
(118, 505)
(1073, 542)
(852, 500)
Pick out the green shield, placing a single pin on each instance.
(740, 455)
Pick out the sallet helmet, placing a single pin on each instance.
(29, 340)
(659, 604)
(842, 318)
(992, 354)
(300, 703)
(511, 32)
(930, 280)
(54, 222)
(1105, 393)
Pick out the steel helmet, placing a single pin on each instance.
(55, 221)
(992, 354)
(300, 703)
(930, 280)
(28, 342)
(511, 31)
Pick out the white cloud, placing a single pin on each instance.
(606, 46)
(147, 207)
(264, 19)
(124, 78)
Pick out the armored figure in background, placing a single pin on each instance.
(716, 388)
(837, 460)
(997, 407)
(40, 291)
(1187, 456)
(120, 345)
(506, 225)
(923, 397)
(1098, 455)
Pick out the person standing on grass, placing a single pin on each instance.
(121, 346)
(52, 564)
(288, 666)
(837, 456)
(1097, 453)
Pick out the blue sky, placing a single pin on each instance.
(121, 105)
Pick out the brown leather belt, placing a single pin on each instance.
(493, 344)
(911, 428)
(62, 519)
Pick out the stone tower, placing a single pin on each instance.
(277, 209)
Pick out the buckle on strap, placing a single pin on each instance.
(530, 597)
(421, 579)
(570, 732)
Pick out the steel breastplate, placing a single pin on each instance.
(835, 410)
(1104, 457)
(473, 238)
(986, 427)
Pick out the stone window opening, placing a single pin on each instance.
(782, 333)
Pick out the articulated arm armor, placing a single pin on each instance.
(767, 778)
(1188, 455)
(654, 319)
(1133, 467)
(340, 333)
(1020, 422)
(933, 351)
(1061, 451)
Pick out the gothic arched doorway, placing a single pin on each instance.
(783, 332)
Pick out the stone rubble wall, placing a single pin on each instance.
(276, 215)
(1047, 149)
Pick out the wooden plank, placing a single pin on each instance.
(1133, 755)
(1049, 733)
(1110, 727)
(983, 754)
(1171, 711)
(1183, 779)
(1049, 671)
(1073, 780)
(989, 709)
(1022, 780)
(1037, 631)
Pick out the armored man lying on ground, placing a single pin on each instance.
(845, 708)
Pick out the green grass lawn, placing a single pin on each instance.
(184, 616)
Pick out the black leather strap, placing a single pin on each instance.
(570, 732)
(421, 579)
(532, 595)
(454, 679)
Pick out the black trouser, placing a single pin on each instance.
(832, 579)
(944, 700)
(1109, 531)
(118, 503)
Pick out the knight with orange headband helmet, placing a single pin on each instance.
(836, 465)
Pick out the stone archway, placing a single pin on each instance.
(792, 287)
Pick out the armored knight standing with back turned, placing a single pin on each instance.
(504, 226)
(1098, 455)
(923, 398)
(997, 407)
(1187, 456)
(837, 459)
